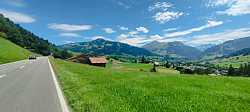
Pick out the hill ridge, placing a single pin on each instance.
(106, 47)
(173, 48)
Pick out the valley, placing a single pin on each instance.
(105, 63)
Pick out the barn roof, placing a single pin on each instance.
(96, 60)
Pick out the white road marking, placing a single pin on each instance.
(63, 103)
(2, 70)
(22, 67)
(2, 76)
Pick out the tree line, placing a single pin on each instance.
(243, 70)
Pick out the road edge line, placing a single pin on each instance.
(63, 103)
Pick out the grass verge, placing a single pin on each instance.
(11, 52)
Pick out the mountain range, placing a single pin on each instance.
(228, 47)
(105, 47)
(174, 49)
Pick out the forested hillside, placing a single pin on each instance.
(243, 52)
(20, 36)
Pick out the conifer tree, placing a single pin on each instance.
(241, 70)
(248, 70)
(245, 69)
(231, 70)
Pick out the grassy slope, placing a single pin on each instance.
(10, 52)
(124, 88)
(235, 61)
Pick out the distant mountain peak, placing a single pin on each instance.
(100, 39)
(176, 48)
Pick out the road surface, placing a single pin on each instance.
(28, 86)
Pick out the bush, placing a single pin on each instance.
(62, 54)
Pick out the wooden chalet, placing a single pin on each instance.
(90, 59)
(98, 61)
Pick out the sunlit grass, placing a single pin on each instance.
(127, 89)
(10, 52)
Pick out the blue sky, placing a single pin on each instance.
(136, 22)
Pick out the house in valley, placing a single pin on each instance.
(90, 59)
(98, 61)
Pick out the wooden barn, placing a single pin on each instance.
(98, 61)
(90, 59)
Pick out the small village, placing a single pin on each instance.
(182, 67)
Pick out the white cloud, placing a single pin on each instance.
(189, 31)
(138, 30)
(160, 6)
(122, 37)
(172, 40)
(170, 29)
(133, 37)
(17, 17)
(142, 29)
(134, 41)
(123, 28)
(156, 37)
(214, 3)
(69, 27)
(137, 40)
(219, 37)
(17, 3)
(234, 7)
(133, 32)
(164, 12)
(239, 8)
(70, 35)
(108, 30)
(163, 17)
(120, 3)
(140, 40)
(100, 37)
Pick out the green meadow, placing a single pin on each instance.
(124, 87)
(11, 52)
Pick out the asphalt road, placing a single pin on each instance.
(27, 86)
